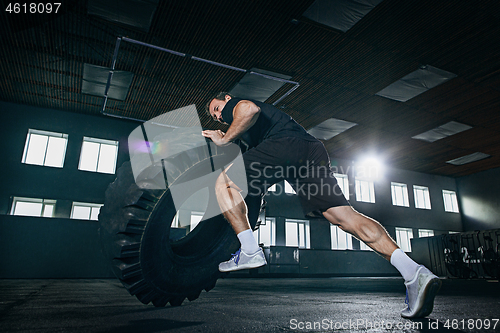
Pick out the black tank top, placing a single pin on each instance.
(271, 123)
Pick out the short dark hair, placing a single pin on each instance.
(220, 96)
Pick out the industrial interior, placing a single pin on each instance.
(405, 96)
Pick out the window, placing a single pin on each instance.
(422, 198)
(98, 155)
(288, 188)
(450, 201)
(85, 211)
(341, 240)
(266, 234)
(425, 233)
(272, 188)
(365, 191)
(33, 207)
(297, 233)
(45, 148)
(195, 219)
(403, 238)
(364, 247)
(399, 194)
(343, 182)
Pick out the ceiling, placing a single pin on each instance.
(43, 59)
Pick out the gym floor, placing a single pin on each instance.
(247, 305)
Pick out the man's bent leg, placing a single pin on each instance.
(235, 211)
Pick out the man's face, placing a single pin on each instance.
(215, 108)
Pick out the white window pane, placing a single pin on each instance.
(94, 213)
(302, 235)
(56, 150)
(427, 200)
(343, 182)
(422, 197)
(425, 233)
(454, 202)
(107, 158)
(89, 156)
(291, 234)
(37, 147)
(48, 210)
(81, 212)
(195, 219)
(272, 188)
(342, 239)
(288, 188)
(403, 237)
(333, 234)
(265, 234)
(28, 208)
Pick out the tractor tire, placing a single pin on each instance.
(134, 230)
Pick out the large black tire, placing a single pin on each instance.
(135, 233)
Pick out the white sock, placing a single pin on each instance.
(248, 243)
(404, 264)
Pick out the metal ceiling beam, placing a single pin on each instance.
(133, 41)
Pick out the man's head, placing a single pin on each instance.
(216, 104)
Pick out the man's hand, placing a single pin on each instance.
(216, 136)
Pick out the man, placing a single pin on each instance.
(278, 143)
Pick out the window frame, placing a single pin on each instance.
(406, 247)
(49, 135)
(422, 233)
(269, 226)
(453, 201)
(404, 191)
(335, 234)
(43, 202)
(101, 142)
(86, 205)
(359, 190)
(307, 237)
(288, 188)
(343, 181)
(426, 197)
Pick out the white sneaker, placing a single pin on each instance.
(241, 260)
(420, 293)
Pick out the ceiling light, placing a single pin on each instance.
(468, 158)
(258, 87)
(135, 13)
(95, 79)
(339, 14)
(330, 128)
(415, 83)
(443, 131)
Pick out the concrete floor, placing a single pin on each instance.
(246, 305)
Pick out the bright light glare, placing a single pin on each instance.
(370, 168)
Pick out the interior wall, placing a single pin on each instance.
(71, 245)
(285, 205)
(37, 247)
(65, 184)
(479, 200)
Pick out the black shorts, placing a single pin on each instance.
(304, 164)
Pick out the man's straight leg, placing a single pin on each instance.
(421, 284)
